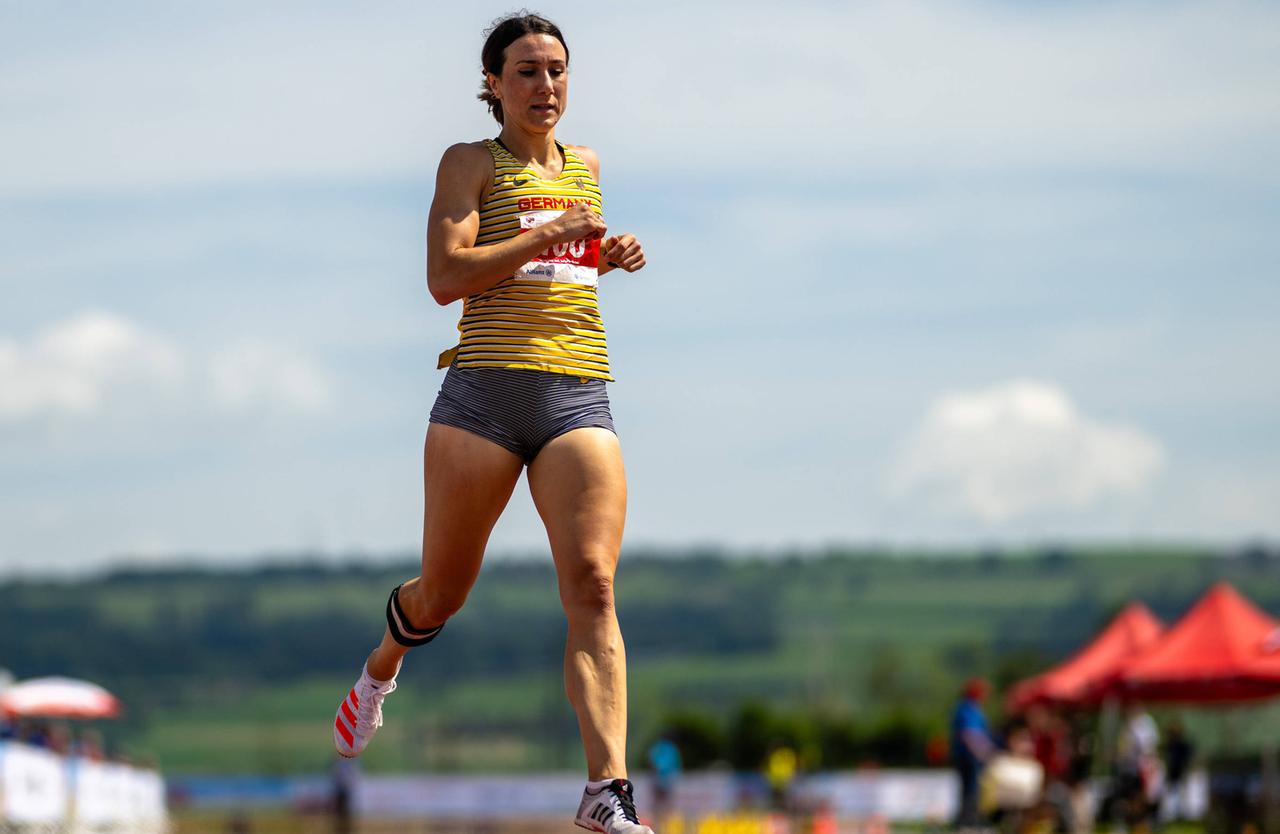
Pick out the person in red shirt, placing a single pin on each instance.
(1051, 738)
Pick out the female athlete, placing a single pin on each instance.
(517, 232)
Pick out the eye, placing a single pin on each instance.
(557, 72)
(526, 73)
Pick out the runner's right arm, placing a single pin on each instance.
(456, 267)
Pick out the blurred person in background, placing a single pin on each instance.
(1077, 777)
(344, 776)
(61, 739)
(34, 732)
(1179, 753)
(1138, 770)
(90, 745)
(1051, 737)
(1015, 738)
(780, 768)
(1012, 781)
(971, 746)
(664, 758)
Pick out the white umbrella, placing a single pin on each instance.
(59, 698)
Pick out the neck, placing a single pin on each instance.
(537, 147)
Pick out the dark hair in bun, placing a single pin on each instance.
(504, 32)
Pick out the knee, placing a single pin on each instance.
(432, 606)
(588, 591)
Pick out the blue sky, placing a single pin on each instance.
(939, 273)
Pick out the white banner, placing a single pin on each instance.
(380, 797)
(893, 795)
(95, 803)
(33, 785)
(37, 786)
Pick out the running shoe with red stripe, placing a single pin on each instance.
(360, 714)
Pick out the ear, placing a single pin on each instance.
(494, 84)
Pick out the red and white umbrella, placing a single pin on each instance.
(59, 698)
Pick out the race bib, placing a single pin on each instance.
(576, 262)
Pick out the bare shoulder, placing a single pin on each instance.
(466, 158)
(465, 173)
(589, 156)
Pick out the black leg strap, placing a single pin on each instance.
(402, 631)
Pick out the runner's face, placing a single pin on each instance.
(534, 83)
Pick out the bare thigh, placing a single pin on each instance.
(467, 482)
(580, 489)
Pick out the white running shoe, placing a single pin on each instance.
(360, 714)
(610, 809)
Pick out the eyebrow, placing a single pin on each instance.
(536, 61)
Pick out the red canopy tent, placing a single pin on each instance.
(1216, 653)
(1089, 672)
(1268, 664)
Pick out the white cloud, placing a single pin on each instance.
(93, 361)
(1017, 448)
(74, 366)
(255, 376)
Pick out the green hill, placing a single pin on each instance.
(228, 671)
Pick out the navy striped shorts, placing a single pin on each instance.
(520, 410)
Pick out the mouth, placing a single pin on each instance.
(543, 109)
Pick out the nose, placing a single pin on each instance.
(544, 82)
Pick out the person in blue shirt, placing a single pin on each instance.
(971, 746)
(664, 758)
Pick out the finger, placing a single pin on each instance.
(626, 255)
(633, 263)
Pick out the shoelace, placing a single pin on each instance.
(369, 716)
(622, 790)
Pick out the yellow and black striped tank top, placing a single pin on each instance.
(544, 317)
